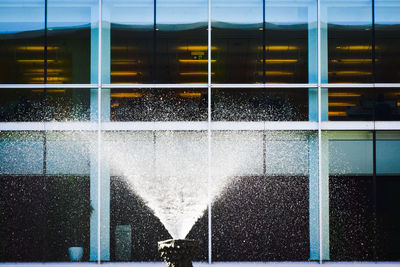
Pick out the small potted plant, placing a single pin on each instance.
(74, 211)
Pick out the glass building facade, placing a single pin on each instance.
(280, 119)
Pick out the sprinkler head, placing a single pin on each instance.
(178, 252)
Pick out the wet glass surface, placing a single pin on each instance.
(259, 104)
(159, 104)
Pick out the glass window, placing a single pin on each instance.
(351, 232)
(162, 44)
(21, 41)
(251, 222)
(237, 39)
(259, 104)
(38, 104)
(387, 40)
(159, 104)
(351, 104)
(70, 25)
(44, 195)
(347, 40)
(289, 33)
(158, 191)
(388, 195)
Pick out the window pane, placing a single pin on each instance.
(44, 195)
(260, 104)
(158, 191)
(289, 33)
(181, 41)
(21, 41)
(237, 41)
(387, 34)
(348, 40)
(388, 195)
(70, 26)
(159, 104)
(351, 232)
(261, 211)
(351, 104)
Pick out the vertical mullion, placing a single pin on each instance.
(209, 134)
(99, 81)
(319, 132)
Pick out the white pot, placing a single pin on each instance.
(75, 253)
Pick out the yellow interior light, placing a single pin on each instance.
(276, 73)
(127, 95)
(337, 113)
(280, 61)
(124, 73)
(37, 48)
(279, 48)
(196, 48)
(35, 61)
(123, 62)
(50, 79)
(114, 105)
(190, 94)
(49, 90)
(341, 104)
(340, 94)
(355, 47)
(195, 61)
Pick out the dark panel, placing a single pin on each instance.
(262, 219)
(159, 104)
(260, 104)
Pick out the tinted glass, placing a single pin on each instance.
(251, 222)
(37, 104)
(21, 41)
(351, 229)
(388, 195)
(288, 30)
(45, 195)
(348, 40)
(259, 104)
(387, 40)
(351, 104)
(181, 41)
(159, 104)
(132, 40)
(237, 39)
(70, 25)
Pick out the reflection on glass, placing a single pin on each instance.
(287, 30)
(387, 40)
(156, 104)
(350, 196)
(169, 46)
(237, 39)
(349, 40)
(166, 167)
(44, 203)
(251, 221)
(362, 104)
(260, 104)
(44, 104)
(351, 104)
(69, 33)
(21, 41)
